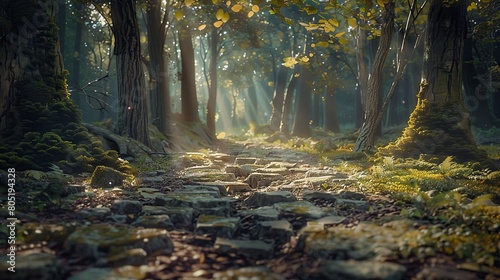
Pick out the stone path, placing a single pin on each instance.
(241, 213)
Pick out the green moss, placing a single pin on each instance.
(440, 130)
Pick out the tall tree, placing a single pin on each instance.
(440, 123)
(132, 96)
(188, 82)
(157, 33)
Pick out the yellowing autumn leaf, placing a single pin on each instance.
(289, 62)
(339, 34)
(215, 2)
(472, 6)
(218, 23)
(334, 22)
(382, 3)
(250, 14)
(219, 14)
(352, 22)
(225, 17)
(270, 83)
(236, 8)
(178, 15)
(323, 44)
(343, 41)
(255, 9)
(201, 27)
(188, 2)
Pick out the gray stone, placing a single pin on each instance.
(249, 248)
(256, 179)
(266, 213)
(98, 240)
(311, 195)
(276, 170)
(39, 232)
(351, 195)
(100, 213)
(445, 273)
(154, 221)
(300, 208)
(150, 180)
(314, 181)
(217, 226)
(222, 157)
(239, 171)
(135, 256)
(127, 272)
(330, 220)
(194, 169)
(33, 266)
(353, 204)
(325, 172)
(221, 185)
(202, 190)
(149, 192)
(180, 216)
(260, 199)
(149, 210)
(117, 218)
(254, 273)
(361, 270)
(325, 144)
(280, 231)
(126, 207)
(208, 176)
(237, 187)
(245, 160)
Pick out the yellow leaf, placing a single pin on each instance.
(472, 6)
(201, 27)
(255, 9)
(236, 8)
(218, 23)
(352, 22)
(143, 39)
(338, 35)
(343, 41)
(188, 2)
(228, 3)
(250, 14)
(382, 3)
(225, 17)
(270, 83)
(334, 22)
(289, 62)
(215, 2)
(178, 15)
(219, 14)
(323, 44)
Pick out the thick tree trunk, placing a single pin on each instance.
(372, 122)
(440, 124)
(132, 96)
(212, 90)
(74, 78)
(279, 97)
(331, 118)
(188, 82)
(159, 72)
(61, 23)
(301, 125)
(251, 103)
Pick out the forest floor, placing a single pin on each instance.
(251, 209)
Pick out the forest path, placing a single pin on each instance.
(243, 211)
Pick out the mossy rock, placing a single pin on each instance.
(105, 177)
(494, 178)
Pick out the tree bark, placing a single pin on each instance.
(301, 125)
(287, 104)
(188, 83)
(74, 79)
(212, 90)
(331, 118)
(251, 103)
(132, 96)
(279, 97)
(371, 124)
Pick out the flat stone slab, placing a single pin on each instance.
(182, 216)
(257, 179)
(281, 231)
(313, 195)
(126, 207)
(277, 170)
(254, 272)
(314, 181)
(260, 199)
(356, 204)
(154, 221)
(217, 226)
(250, 248)
(237, 187)
(100, 213)
(217, 186)
(126, 272)
(34, 232)
(361, 270)
(208, 176)
(33, 266)
(266, 213)
(330, 220)
(245, 160)
(300, 208)
(325, 172)
(103, 240)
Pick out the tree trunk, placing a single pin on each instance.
(74, 79)
(61, 23)
(287, 105)
(279, 96)
(371, 124)
(188, 82)
(440, 124)
(251, 104)
(159, 72)
(331, 118)
(132, 96)
(301, 125)
(212, 90)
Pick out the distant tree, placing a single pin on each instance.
(132, 97)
